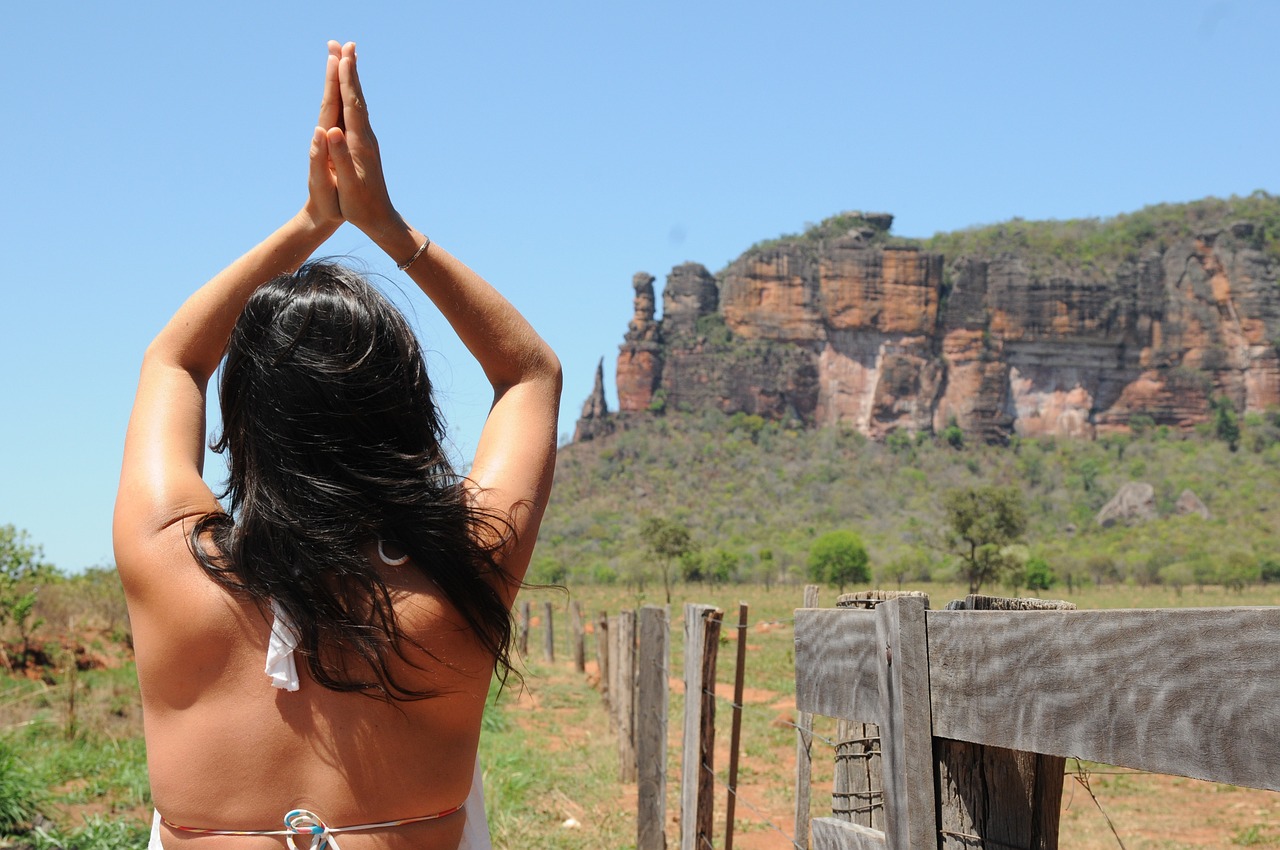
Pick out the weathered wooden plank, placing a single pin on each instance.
(735, 731)
(579, 638)
(602, 660)
(652, 661)
(525, 616)
(614, 685)
(857, 794)
(707, 731)
(625, 696)
(804, 750)
(837, 674)
(1193, 692)
(549, 642)
(695, 636)
(834, 834)
(906, 738)
(1010, 799)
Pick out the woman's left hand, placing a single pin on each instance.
(322, 184)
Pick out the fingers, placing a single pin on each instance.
(344, 167)
(331, 102)
(319, 160)
(354, 107)
(322, 187)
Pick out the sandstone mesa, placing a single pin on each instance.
(845, 324)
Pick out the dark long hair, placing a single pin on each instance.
(334, 443)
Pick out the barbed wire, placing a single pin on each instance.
(744, 801)
(1082, 776)
(745, 626)
(983, 841)
(783, 720)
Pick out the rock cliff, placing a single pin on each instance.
(1032, 328)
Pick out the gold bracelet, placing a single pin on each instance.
(426, 240)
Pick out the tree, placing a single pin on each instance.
(667, 541)
(693, 566)
(722, 566)
(22, 571)
(953, 434)
(1039, 575)
(1226, 425)
(767, 567)
(984, 522)
(839, 558)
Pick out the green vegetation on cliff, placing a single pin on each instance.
(1101, 244)
(1083, 244)
(758, 494)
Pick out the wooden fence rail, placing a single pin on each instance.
(1192, 692)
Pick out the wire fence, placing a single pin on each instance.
(836, 750)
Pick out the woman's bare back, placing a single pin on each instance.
(217, 729)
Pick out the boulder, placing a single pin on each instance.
(1189, 503)
(1133, 503)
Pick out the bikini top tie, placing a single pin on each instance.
(303, 822)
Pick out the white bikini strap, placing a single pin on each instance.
(281, 666)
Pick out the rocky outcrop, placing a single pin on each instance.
(640, 360)
(1133, 503)
(847, 324)
(1189, 503)
(595, 420)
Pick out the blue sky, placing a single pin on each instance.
(558, 148)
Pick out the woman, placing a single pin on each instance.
(375, 583)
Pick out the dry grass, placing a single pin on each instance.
(1147, 810)
(551, 760)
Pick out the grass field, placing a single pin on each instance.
(71, 748)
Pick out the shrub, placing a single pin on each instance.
(839, 558)
(952, 435)
(1039, 575)
(21, 793)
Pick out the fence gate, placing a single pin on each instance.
(963, 698)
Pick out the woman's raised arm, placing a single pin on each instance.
(515, 457)
(160, 482)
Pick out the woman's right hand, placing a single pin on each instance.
(357, 163)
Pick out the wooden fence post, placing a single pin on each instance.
(625, 695)
(1062, 682)
(1009, 797)
(579, 639)
(524, 629)
(549, 644)
(602, 661)
(804, 752)
(857, 795)
(652, 689)
(906, 728)
(701, 644)
(735, 734)
(615, 680)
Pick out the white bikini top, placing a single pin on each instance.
(281, 666)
